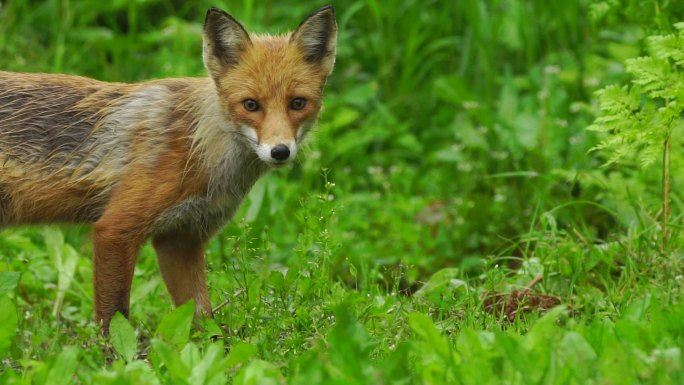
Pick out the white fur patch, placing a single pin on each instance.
(250, 133)
(263, 148)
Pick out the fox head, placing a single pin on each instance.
(270, 87)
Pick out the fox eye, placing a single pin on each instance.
(297, 103)
(250, 105)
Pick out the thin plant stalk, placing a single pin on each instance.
(666, 191)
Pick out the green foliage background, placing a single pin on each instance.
(451, 160)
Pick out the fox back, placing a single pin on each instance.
(169, 159)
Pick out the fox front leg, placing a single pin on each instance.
(115, 254)
(127, 221)
(181, 262)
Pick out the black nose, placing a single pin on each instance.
(280, 152)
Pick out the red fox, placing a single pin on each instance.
(168, 160)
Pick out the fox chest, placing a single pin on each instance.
(230, 181)
(202, 215)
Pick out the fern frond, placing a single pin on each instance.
(599, 10)
(614, 99)
(651, 73)
(649, 155)
(668, 47)
(636, 120)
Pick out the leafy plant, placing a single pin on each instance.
(122, 337)
(640, 118)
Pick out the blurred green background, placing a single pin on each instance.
(453, 131)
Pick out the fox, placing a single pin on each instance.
(167, 160)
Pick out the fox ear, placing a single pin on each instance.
(224, 40)
(316, 36)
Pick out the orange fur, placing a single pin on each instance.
(290, 76)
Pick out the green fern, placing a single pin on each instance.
(638, 119)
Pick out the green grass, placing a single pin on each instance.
(450, 164)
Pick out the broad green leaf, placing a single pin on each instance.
(240, 353)
(191, 356)
(68, 268)
(8, 281)
(452, 89)
(65, 259)
(445, 280)
(54, 240)
(514, 352)
(122, 337)
(426, 330)
(11, 377)
(136, 372)
(255, 199)
(350, 346)
(259, 372)
(63, 370)
(544, 330)
(209, 328)
(638, 309)
(175, 326)
(164, 354)
(311, 370)
(344, 118)
(533, 267)
(576, 351)
(8, 323)
(254, 291)
(211, 368)
(145, 289)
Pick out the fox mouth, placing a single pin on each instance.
(277, 163)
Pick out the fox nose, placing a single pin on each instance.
(280, 152)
